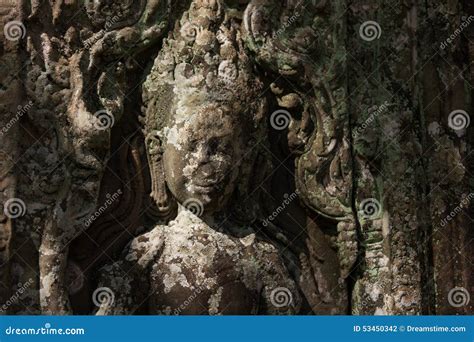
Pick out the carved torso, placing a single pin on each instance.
(191, 268)
(216, 272)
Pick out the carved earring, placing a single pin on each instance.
(165, 205)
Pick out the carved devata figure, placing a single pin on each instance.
(211, 249)
(205, 129)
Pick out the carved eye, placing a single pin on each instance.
(213, 145)
(192, 145)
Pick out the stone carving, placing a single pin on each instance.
(205, 133)
(210, 157)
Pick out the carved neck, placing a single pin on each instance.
(219, 222)
(196, 214)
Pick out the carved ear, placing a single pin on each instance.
(165, 204)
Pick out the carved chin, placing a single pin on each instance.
(210, 195)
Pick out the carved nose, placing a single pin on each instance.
(203, 154)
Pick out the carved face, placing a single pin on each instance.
(202, 157)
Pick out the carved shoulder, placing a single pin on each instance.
(144, 248)
(123, 286)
